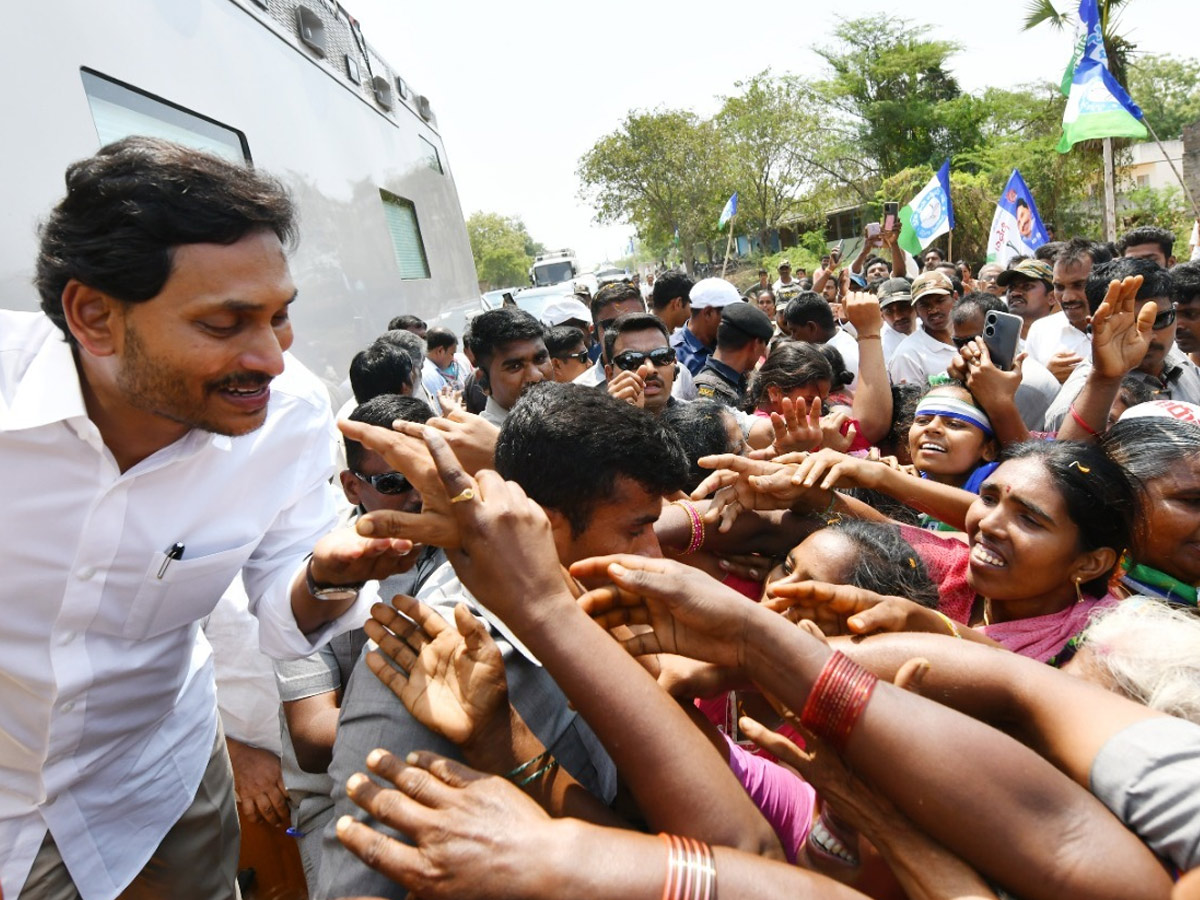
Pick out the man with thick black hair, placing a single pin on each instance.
(510, 353)
(383, 368)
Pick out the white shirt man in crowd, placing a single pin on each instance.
(1030, 285)
(133, 494)
(928, 350)
(1061, 340)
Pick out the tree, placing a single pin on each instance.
(770, 139)
(661, 171)
(499, 245)
(1168, 90)
(891, 94)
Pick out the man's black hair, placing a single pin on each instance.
(383, 410)
(383, 368)
(493, 329)
(563, 339)
(1185, 282)
(632, 322)
(439, 337)
(1148, 234)
(129, 207)
(566, 445)
(616, 292)
(809, 306)
(976, 303)
(669, 286)
(1156, 281)
(407, 323)
(1049, 252)
(1077, 249)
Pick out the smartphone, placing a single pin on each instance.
(873, 229)
(891, 212)
(837, 251)
(1001, 332)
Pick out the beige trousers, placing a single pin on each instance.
(197, 860)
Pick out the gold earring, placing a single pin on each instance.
(1078, 590)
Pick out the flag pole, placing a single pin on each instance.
(1183, 184)
(950, 246)
(1110, 202)
(728, 242)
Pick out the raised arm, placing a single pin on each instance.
(873, 399)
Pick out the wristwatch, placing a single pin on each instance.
(329, 591)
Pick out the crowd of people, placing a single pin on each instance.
(817, 590)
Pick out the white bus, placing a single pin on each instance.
(290, 86)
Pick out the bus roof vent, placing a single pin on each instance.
(383, 91)
(311, 29)
(423, 107)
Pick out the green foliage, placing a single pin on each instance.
(660, 171)
(502, 248)
(890, 88)
(1164, 207)
(1168, 90)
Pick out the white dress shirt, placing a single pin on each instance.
(918, 357)
(107, 708)
(1054, 334)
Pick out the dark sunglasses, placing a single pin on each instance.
(1164, 319)
(631, 359)
(580, 357)
(387, 483)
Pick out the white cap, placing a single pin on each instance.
(1164, 409)
(713, 292)
(565, 309)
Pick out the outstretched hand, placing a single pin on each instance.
(1121, 335)
(462, 822)
(451, 679)
(689, 613)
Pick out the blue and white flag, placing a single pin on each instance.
(1017, 228)
(1097, 105)
(728, 212)
(928, 215)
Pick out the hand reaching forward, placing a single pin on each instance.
(451, 679)
(463, 823)
(1120, 335)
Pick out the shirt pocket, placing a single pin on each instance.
(186, 590)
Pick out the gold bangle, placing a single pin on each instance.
(949, 623)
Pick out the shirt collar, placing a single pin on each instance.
(727, 372)
(49, 389)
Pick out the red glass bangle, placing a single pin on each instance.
(837, 699)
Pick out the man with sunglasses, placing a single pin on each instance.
(643, 368)
(611, 302)
(1164, 369)
(741, 342)
(568, 354)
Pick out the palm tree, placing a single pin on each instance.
(1118, 47)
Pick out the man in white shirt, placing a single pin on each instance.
(1030, 285)
(785, 279)
(895, 303)
(165, 444)
(510, 354)
(928, 351)
(1061, 340)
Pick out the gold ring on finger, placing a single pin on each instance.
(467, 494)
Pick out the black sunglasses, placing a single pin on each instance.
(631, 359)
(1164, 319)
(387, 483)
(580, 357)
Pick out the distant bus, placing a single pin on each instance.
(290, 86)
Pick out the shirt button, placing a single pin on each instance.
(67, 707)
(85, 573)
(67, 636)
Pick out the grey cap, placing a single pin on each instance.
(894, 290)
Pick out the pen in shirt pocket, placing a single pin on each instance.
(175, 551)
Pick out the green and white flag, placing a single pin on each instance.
(1097, 105)
(928, 215)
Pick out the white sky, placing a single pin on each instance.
(523, 89)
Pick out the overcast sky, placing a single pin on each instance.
(522, 89)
